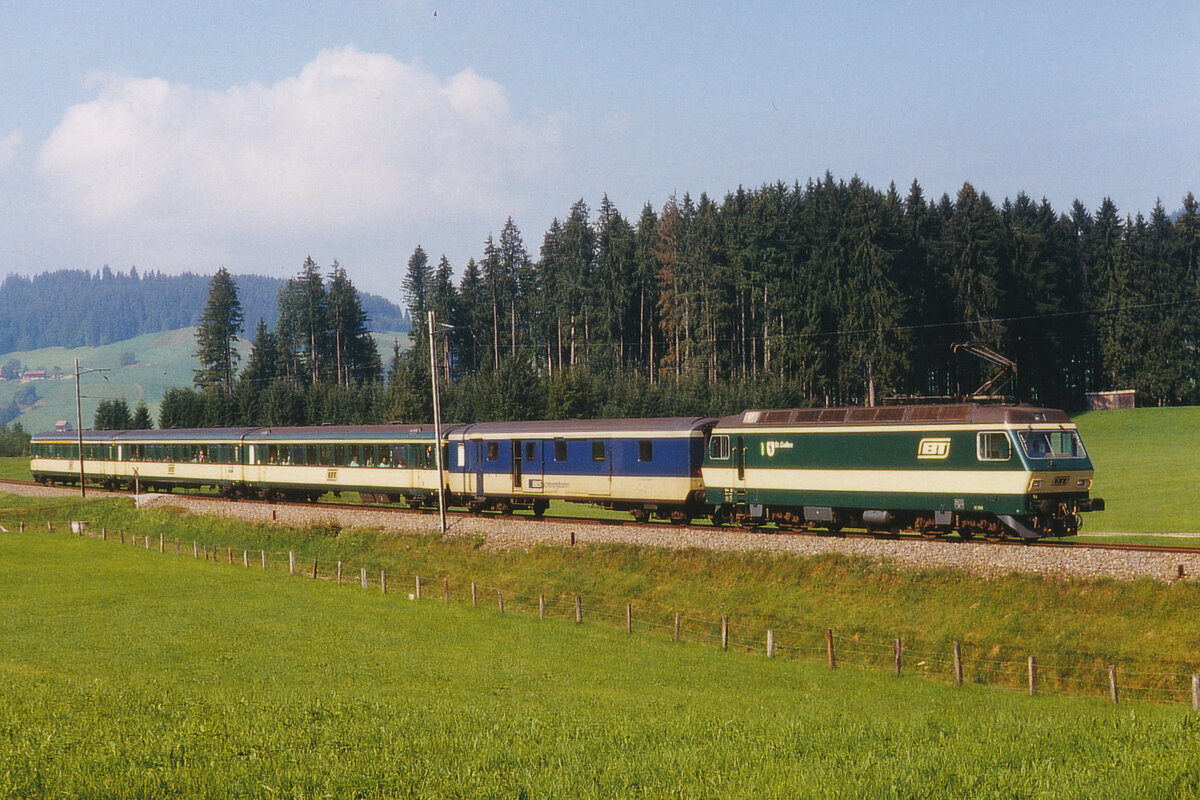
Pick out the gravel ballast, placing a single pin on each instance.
(523, 532)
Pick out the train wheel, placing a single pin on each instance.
(540, 506)
(680, 518)
(966, 534)
(639, 514)
(718, 517)
(504, 508)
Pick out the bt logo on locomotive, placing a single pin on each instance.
(772, 446)
(933, 448)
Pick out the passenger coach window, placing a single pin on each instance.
(718, 447)
(645, 451)
(560, 449)
(993, 446)
(597, 451)
(531, 451)
(493, 451)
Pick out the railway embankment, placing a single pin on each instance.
(507, 532)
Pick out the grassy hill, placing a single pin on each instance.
(159, 362)
(133, 673)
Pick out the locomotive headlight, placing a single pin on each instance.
(1037, 484)
(1084, 483)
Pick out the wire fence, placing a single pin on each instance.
(1073, 674)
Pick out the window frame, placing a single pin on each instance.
(721, 441)
(981, 453)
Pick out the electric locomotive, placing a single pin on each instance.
(990, 470)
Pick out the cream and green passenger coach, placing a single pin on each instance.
(992, 470)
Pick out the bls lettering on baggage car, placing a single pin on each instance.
(770, 447)
(933, 448)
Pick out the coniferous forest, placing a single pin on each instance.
(77, 308)
(828, 293)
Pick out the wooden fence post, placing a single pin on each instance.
(724, 632)
(246, 559)
(1112, 682)
(195, 547)
(541, 606)
(418, 595)
(629, 618)
(500, 596)
(578, 610)
(770, 642)
(896, 648)
(364, 577)
(22, 527)
(50, 527)
(147, 541)
(957, 664)
(829, 648)
(229, 548)
(1032, 676)
(676, 636)
(291, 562)
(314, 569)
(1195, 692)
(382, 582)
(264, 558)
(339, 578)
(474, 596)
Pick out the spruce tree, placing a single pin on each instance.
(216, 339)
(141, 418)
(113, 415)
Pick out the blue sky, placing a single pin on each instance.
(187, 136)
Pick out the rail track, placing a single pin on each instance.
(629, 524)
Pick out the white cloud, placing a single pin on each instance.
(357, 142)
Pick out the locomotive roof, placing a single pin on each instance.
(956, 413)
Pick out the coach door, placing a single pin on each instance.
(740, 455)
(516, 464)
(601, 473)
(531, 465)
(480, 452)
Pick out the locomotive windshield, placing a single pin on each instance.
(1052, 444)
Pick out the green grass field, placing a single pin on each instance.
(132, 673)
(1075, 628)
(1147, 467)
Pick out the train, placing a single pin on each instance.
(970, 468)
